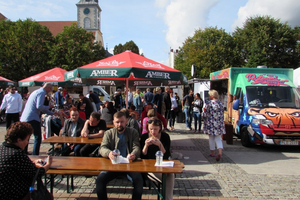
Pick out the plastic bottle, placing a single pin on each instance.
(159, 157)
(116, 153)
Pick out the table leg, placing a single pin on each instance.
(68, 185)
(72, 183)
(52, 149)
(51, 183)
(164, 178)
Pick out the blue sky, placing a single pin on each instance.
(156, 25)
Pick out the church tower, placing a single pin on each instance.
(89, 16)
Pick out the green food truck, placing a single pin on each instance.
(261, 104)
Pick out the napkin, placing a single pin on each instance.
(121, 159)
(165, 164)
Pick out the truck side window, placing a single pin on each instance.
(97, 91)
(238, 93)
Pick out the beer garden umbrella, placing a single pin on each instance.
(4, 82)
(127, 67)
(54, 76)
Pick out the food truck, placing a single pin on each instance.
(262, 104)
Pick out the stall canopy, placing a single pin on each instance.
(54, 76)
(4, 82)
(127, 66)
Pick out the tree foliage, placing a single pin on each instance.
(209, 50)
(75, 47)
(28, 48)
(264, 40)
(118, 49)
(131, 46)
(24, 48)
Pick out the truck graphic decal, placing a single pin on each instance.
(269, 79)
(220, 74)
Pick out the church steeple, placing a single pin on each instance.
(89, 17)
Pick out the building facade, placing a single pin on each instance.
(89, 18)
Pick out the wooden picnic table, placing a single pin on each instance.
(91, 165)
(72, 140)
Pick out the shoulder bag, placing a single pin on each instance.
(41, 191)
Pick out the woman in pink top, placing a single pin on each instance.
(150, 113)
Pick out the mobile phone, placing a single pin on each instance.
(44, 161)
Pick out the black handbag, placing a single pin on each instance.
(41, 191)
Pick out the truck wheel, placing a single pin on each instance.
(245, 139)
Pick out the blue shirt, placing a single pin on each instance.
(34, 106)
(148, 97)
(60, 98)
(122, 144)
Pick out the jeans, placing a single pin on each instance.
(197, 120)
(105, 177)
(37, 136)
(167, 114)
(172, 118)
(87, 149)
(188, 118)
(98, 106)
(67, 150)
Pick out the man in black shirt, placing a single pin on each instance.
(187, 108)
(94, 127)
(96, 99)
(88, 109)
(118, 100)
(167, 101)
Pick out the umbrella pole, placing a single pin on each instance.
(126, 96)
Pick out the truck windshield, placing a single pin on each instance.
(273, 96)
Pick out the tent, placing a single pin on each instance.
(127, 66)
(54, 76)
(4, 82)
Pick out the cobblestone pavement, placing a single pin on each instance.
(229, 181)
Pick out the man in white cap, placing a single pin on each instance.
(59, 98)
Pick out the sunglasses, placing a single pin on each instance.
(154, 121)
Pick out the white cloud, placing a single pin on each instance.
(111, 50)
(286, 11)
(161, 3)
(141, 50)
(183, 18)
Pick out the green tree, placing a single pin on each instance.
(209, 50)
(24, 48)
(297, 35)
(264, 40)
(75, 47)
(118, 49)
(131, 46)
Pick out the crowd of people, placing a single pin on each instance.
(139, 130)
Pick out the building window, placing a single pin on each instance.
(87, 23)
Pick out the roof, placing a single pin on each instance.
(56, 27)
(2, 17)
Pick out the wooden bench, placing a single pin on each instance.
(153, 181)
(69, 173)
